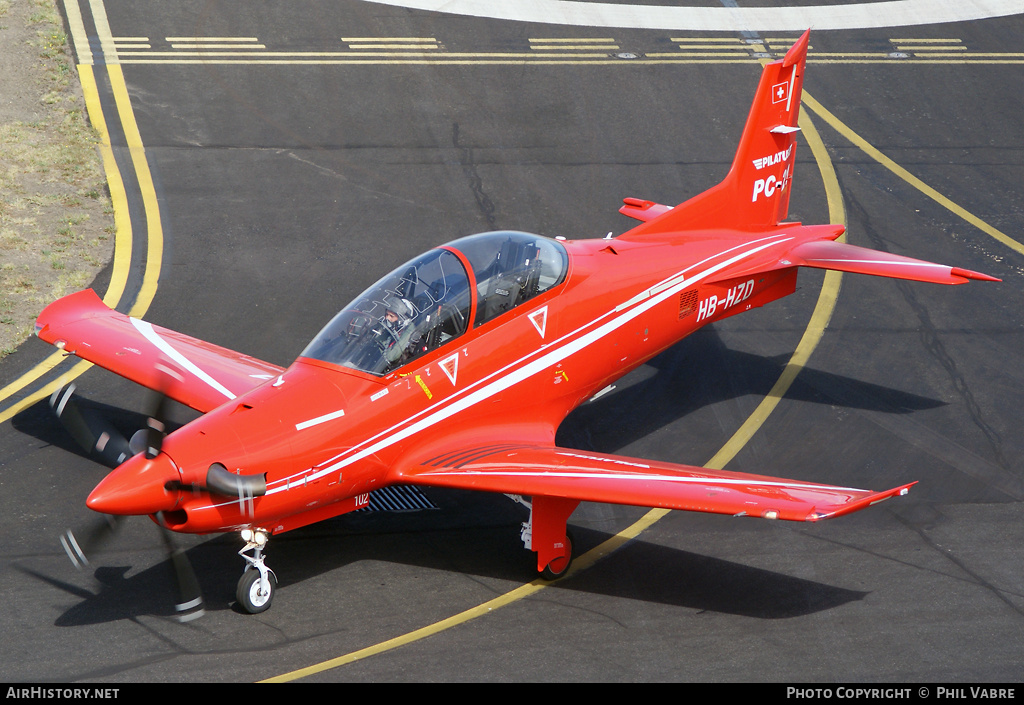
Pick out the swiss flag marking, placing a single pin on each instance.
(780, 92)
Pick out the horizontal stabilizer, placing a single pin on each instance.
(827, 254)
(598, 477)
(642, 210)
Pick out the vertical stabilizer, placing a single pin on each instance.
(755, 193)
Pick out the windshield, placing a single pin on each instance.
(415, 309)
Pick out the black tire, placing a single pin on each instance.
(248, 595)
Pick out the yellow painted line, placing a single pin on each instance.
(968, 58)
(242, 51)
(455, 620)
(909, 40)
(720, 40)
(414, 58)
(369, 58)
(393, 46)
(122, 250)
(119, 201)
(895, 168)
(155, 233)
(123, 237)
(573, 47)
(986, 54)
(218, 46)
(99, 18)
(388, 39)
(571, 40)
(895, 61)
(742, 54)
(211, 39)
(154, 228)
(78, 33)
(866, 54)
(951, 47)
(812, 336)
(31, 376)
(115, 184)
(819, 318)
(716, 47)
(72, 374)
(534, 60)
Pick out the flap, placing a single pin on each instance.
(598, 477)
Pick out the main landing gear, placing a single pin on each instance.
(256, 586)
(545, 532)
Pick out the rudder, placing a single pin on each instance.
(755, 193)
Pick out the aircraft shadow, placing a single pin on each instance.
(700, 371)
(478, 534)
(643, 572)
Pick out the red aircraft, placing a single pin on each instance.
(412, 382)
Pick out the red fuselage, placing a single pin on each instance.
(324, 436)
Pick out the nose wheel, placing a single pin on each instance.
(255, 591)
(256, 587)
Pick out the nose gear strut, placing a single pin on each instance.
(256, 586)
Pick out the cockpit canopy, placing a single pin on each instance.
(430, 300)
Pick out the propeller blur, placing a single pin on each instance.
(412, 381)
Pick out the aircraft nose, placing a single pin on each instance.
(137, 486)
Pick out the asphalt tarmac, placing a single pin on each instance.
(289, 170)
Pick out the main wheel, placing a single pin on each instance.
(249, 595)
(560, 566)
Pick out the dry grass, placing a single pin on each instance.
(56, 222)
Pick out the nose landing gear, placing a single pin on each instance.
(256, 587)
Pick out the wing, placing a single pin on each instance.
(596, 477)
(191, 371)
(827, 254)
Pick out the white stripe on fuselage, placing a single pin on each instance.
(508, 376)
(672, 280)
(525, 368)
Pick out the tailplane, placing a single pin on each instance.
(755, 193)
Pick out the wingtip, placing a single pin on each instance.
(968, 274)
(862, 503)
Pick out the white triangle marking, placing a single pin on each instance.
(539, 319)
(450, 367)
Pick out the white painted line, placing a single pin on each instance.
(893, 13)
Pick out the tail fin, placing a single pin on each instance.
(755, 193)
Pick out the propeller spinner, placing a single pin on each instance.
(141, 482)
